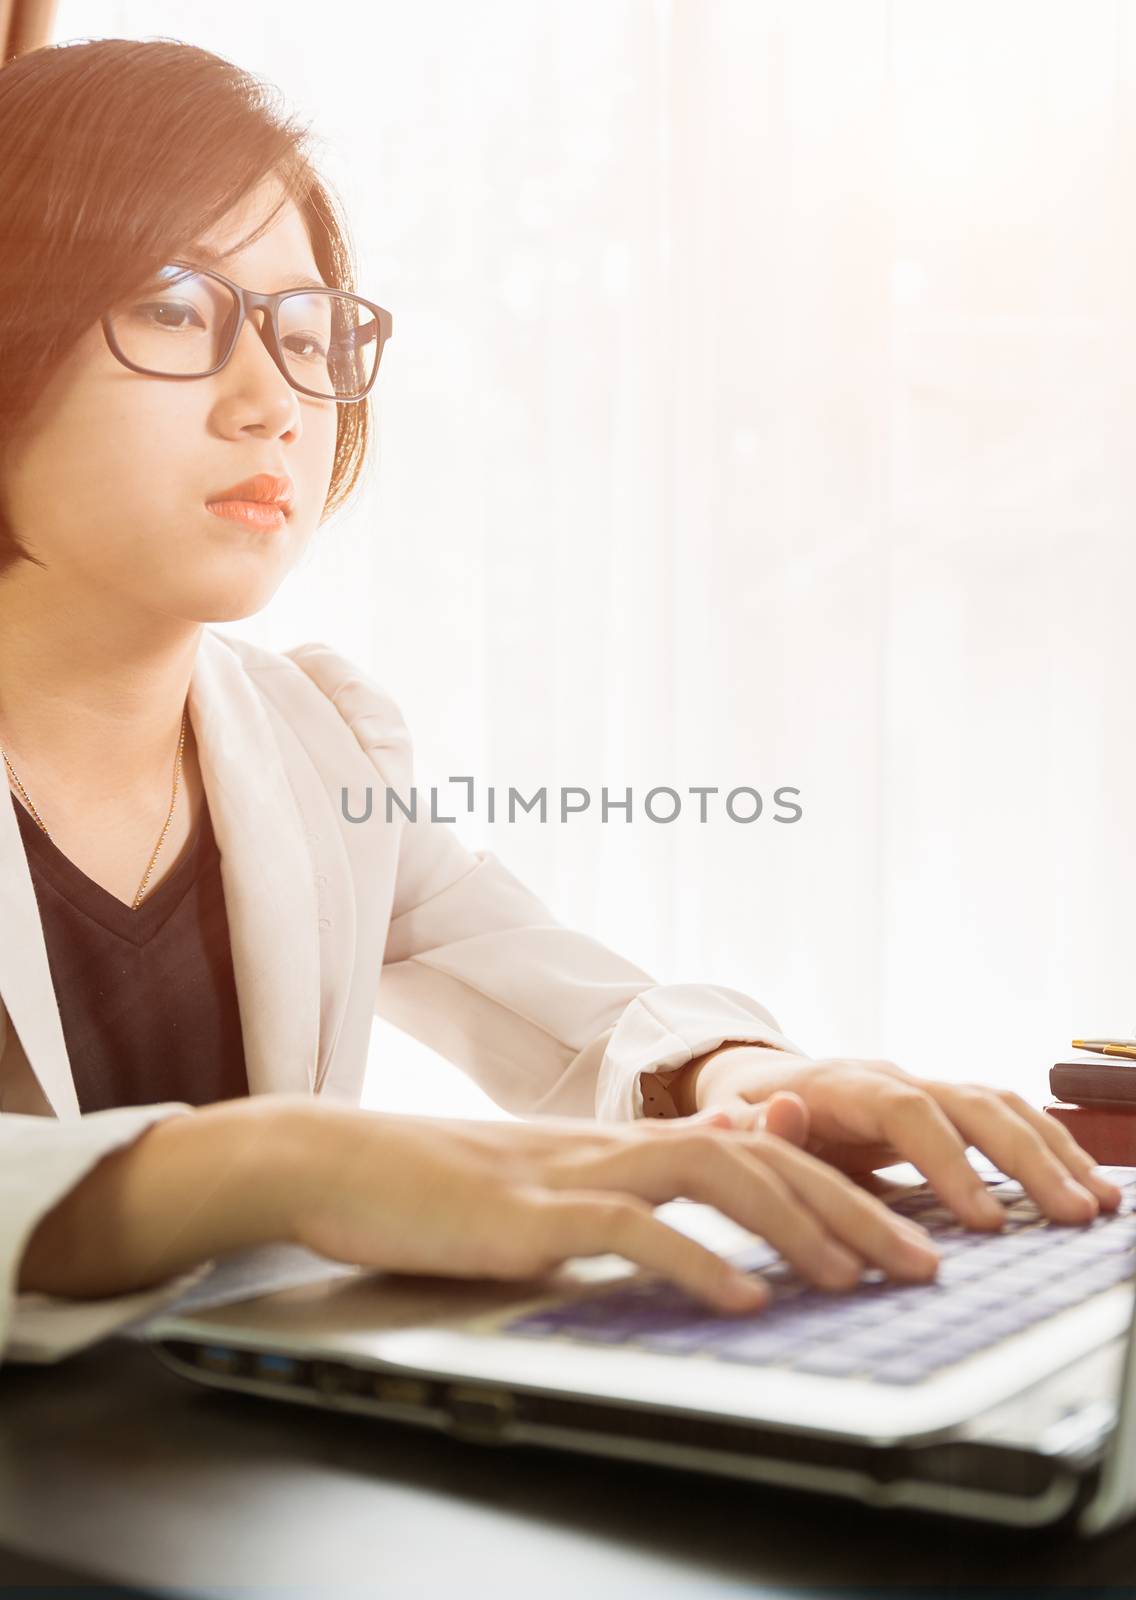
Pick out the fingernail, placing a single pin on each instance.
(1083, 1196)
(912, 1228)
(748, 1291)
(986, 1206)
(1101, 1177)
(922, 1248)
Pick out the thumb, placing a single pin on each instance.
(783, 1113)
(786, 1115)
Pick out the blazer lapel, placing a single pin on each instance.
(271, 897)
(266, 870)
(25, 976)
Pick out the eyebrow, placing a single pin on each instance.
(204, 261)
(304, 283)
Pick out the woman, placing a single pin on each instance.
(193, 934)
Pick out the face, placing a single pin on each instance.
(110, 481)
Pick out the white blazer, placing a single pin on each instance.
(332, 922)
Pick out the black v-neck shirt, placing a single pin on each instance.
(147, 997)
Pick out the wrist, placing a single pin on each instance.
(688, 1086)
(260, 1147)
(683, 1086)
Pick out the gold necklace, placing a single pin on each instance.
(24, 796)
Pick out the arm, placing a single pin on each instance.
(108, 1217)
(42, 1159)
(545, 1018)
(185, 1190)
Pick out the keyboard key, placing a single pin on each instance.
(875, 1345)
(1030, 1242)
(853, 1313)
(688, 1338)
(754, 1344)
(959, 1342)
(1060, 1294)
(959, 1270)
(831, 1361)
(978, 1297)
(1101, 1275)
(1111, 1240)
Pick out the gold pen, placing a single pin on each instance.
(1108, 1047)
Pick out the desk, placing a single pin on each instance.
(114, 1470)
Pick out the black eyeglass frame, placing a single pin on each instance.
(248, 301)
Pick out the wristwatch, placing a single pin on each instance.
(657, 1098)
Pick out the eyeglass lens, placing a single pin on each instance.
(183, 325)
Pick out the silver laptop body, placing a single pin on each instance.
(1034, 1427)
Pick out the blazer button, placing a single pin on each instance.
(325, 922)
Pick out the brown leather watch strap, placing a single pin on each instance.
(657, 1099)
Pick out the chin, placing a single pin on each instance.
(234, 607)
(214, 603)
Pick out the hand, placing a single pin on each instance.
(513, 1199)
(858, 1115)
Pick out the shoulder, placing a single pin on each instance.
(307, 676)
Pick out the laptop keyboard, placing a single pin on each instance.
(988, 1287)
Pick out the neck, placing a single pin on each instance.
(90, 698)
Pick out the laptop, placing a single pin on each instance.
(1003, 1392)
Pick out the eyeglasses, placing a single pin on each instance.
(185, 324)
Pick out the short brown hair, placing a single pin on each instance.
(118, 154)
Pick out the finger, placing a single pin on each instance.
(1074, 1155)
(918, 1127)
(1017, 1146)
(786, 1115)
(851, 1214)
(745, 1175)
(783, 1113)
(713, 1166)
(582, 1224)
(728, 1176)
(818, 1219)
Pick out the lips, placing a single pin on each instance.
(263, 489)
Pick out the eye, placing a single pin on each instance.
(308, 346)
(177, 316)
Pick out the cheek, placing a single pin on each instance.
(317, 452)
(89, 450)
(139, 470)
(325, 448)
(141, 445)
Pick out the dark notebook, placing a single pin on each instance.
(1108, 1081)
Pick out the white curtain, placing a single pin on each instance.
(758, 412)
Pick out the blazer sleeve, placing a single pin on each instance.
(41, 1160)
(545, 1018)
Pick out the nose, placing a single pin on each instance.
(254, 395)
